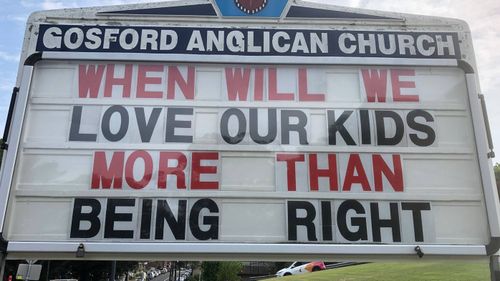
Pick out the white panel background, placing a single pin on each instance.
(51, 170)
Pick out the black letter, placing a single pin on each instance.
(212, 221)
(242, 126)
(147, 208)
(417, 209)
(74, 132)
(378, 223)
(345, 207)
(335, 126)
(112, 217)
(382, 139)
(366, 134)
(92, 218)
(431, 135)
(177, 226)
(172, 123)
(271, 126)
(106, 122)
(146, 128)
(307, 221)
(326, 217)
(300, 127)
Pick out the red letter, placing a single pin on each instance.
(354, 165)
(375, 84)
(397, 85)
(111, 81)
(290, 160)
(148, 169)
(380, 168)
(175, 78)
(178, 170)
(143, 80)
(237, 83)
(197, 169)
(104, 176)
(330, 172)
(303, 94)
(273, 87)
(89, 80)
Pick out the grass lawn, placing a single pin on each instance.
(417, 271)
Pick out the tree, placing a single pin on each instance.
(209, 270)
(221, 271)
(229, 270)
(81, 270)
(496, 168)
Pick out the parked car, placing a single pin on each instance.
(140, 276)
(299, 267)
(152, 273)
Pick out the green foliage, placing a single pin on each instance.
(228, 271)
(81, 270)
(496, 168)
(88, 270)
(209, 271)
(221, 271)
(410, 271)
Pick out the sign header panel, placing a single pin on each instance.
(248, 42)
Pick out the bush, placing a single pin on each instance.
(221, 271)
(228, 271)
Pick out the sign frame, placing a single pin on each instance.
(229, 251)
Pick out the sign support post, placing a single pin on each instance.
(113, 271)
(3, 261)
(495, 267)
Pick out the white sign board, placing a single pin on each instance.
(275, 140)
(29, 272)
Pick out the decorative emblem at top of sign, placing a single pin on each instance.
(255, 8)
(251, 6)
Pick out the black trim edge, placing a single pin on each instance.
(206, 10)
(466, 67)
(8, 121)
(493, 246)
(296, 11)
(33, 58)
(3, 244)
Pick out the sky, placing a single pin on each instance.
(483, 18)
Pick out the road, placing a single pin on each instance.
(161, 277)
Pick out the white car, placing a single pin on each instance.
(152, 273)
(141, 276)
(299, 267)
